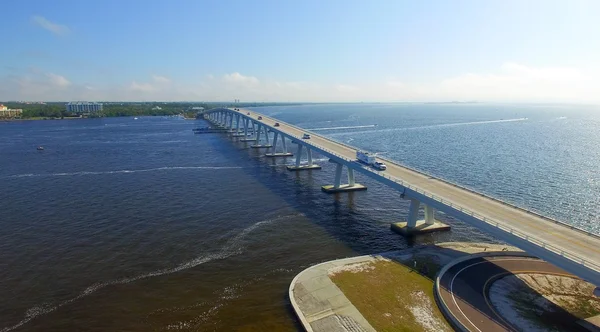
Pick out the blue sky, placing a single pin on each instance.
(301, 50)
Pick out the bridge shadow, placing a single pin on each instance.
(340, 216)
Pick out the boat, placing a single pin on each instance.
(40, 148)
(135, 118)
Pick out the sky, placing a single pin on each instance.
(300, 51)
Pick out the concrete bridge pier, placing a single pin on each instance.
(230, 126)
(299, 167)
(220, 119)
(274, 148)
(237, 132)
(258, 134)
(246, 125)
(338, 186)
(415, 226)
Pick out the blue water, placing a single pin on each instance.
(123, 224)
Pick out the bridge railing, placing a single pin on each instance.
(425, 173)
(490, 221)
(487, 220)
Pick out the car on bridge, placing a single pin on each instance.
(379, 165)
(306, 136)
(276, 124)
(248, 113)
(260, 117)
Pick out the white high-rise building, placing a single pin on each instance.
(83, 107)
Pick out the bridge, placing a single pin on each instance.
(568, 247)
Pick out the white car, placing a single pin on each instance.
(306, 136)
(380, 166)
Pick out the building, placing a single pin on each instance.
(8, 113)
(81, 107)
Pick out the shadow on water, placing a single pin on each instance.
(335, 213)
(338, 213)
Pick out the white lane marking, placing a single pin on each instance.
(464, 268)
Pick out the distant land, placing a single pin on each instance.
(57, 110)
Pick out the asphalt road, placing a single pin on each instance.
(464, 289)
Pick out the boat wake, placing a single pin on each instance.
(339, 128)
(123, 171)
(234, 246)
(431, 126)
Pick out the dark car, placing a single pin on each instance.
(276, 124)
(260, 117)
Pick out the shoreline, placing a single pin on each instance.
(321, 305)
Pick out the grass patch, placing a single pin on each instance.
(393, 297)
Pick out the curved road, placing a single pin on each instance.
(464, 288)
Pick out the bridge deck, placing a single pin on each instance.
(561, 237)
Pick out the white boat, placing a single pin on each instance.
(135, 118)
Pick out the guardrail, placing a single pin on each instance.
(425, 173)
(489, 221)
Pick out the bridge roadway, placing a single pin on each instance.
(572, 249)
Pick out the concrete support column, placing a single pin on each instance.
(429, 215)
(415, 226)
(413, 213)
(309, 153)
(231, 120)
(298, 155)
(237, 124)
(283, 143)
(266, 134)
(337, 184)
(274, 148)
(258, 133)
(338, 176)
(246, 127)
(351, 177)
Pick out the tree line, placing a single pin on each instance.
(56, 110)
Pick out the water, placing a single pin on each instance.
(139, 225)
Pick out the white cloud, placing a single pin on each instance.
(161, 79)
(346, 88)
(511, 82)
(55, 28)
(516, 82)
(141, 87)
(240, 79)
(57, 80)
